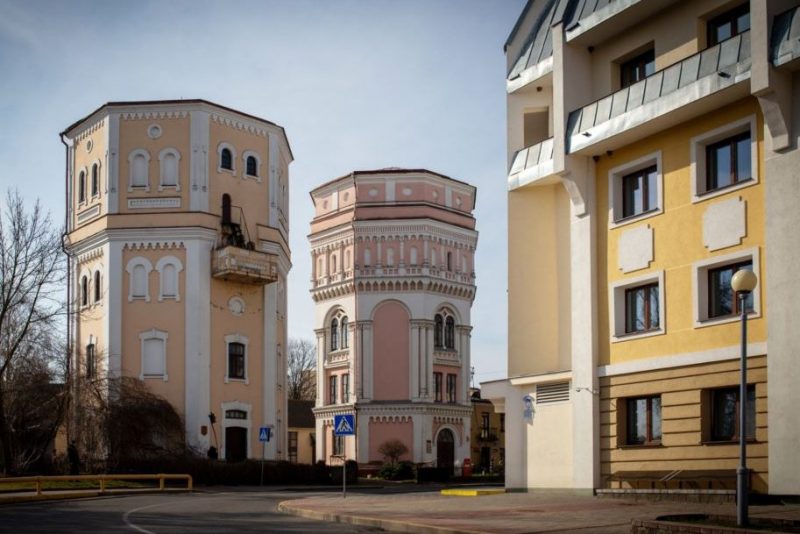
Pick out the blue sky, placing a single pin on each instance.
(357, 84)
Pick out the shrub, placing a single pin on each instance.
(393, 449)
(398, 471)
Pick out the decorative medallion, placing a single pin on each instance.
(236, 306)
(89, 145)
(373, 192)
(154, 131)
(407, 191)
(435, 194)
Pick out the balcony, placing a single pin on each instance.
(236, 264)
(665, 98)
(446, 357)
(531, 164)
(785, 38)
(594, 21)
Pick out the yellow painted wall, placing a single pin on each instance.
(685, 421)
(678, 243)
(168, 316)
(91, 323)
(133, 136)
(83, 161)
(538, 280)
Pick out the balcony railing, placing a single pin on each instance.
(722, 65)
(785, 38)
(243, 265)
(531, 164)
(446, 357)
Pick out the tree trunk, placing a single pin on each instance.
(5, 435)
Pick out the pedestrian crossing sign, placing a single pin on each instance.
(264, 433)
(344, 425)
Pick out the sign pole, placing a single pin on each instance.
(263, 457)
(344, 476)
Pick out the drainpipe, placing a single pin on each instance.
(68, 373)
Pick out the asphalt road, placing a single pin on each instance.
(171, 513)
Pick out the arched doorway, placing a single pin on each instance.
(445, 449)
(235, 444)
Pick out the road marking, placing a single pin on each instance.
(137, 528)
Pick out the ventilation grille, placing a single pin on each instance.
(550, 393)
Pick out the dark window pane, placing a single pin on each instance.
(637, 421)
(725, 414)
(236, 360)
(655, 418)
(743, 163)
(652, 308)
(743, 23)
(652, 189)
(252, 169)
(226, 161)
(637, 68)
(641, 308)
(728, 24)
(721, 298)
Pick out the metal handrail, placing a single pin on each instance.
(101, 479)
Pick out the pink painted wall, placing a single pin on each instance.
(380, 432)
(390, 352)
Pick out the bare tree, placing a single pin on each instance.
(31, 278)
(302, 365)
(393, 449)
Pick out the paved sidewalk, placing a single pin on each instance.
(507, 513)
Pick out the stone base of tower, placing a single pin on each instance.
(435, 434)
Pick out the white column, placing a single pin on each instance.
(465, 351)
(414, 369)
(358, 357)
(428, 362)
(112, 164)
(402, 260)
(112, 289)
(319, 429)
(270, 368)
(274, 178)
(198, 339)
(362, 435)
(367, 361)
(585, 443)
(418, 438)
(198, 164)
(320, 366)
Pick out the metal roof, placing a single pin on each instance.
(785, 38)
(539, 43)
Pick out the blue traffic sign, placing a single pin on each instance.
(344, 425)
(264, 433)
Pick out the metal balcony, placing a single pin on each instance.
(531, 164)
(785, 38)
(236, 264)
(663, 99)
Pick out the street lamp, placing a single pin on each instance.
(743, 283)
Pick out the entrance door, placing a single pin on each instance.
(486, 459)
(445, 449)
(235, 444)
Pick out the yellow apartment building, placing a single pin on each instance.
(653, 152)
(178, 242)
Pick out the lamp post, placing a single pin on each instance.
(743, 283)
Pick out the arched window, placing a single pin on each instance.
(438, 332)
(449, 261)
(95, 180)
(450, 333)
(333, 263)
(345, 343)
(226, 159)
(320, 271)
(82, 187)
(413, 255)
(252, 166)
(390, 256)
(169, 160)
(91, 361)
(346, 259)
(226, 208)
(84, 291)
(138, 271)
(335, 334)
(433, 258)
(138, 163)
(367, 257)
(98, 289)
(168, 268)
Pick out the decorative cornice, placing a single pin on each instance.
(154, 114)
(239, 123)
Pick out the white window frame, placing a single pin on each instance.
(163, 262)
(154, 333)
(697, 156)
(239, 423)
(700, 286)
(237, 338)
(97, 269)
(230, 147)
(616, 312)
(131, 156)
(99, 180)
(86, 184)
(245, 155)
(161, 156)
(615, 189)
(148, 267)
(88, 274)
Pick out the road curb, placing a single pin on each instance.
(393, 525)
